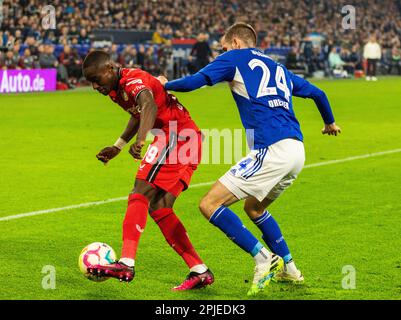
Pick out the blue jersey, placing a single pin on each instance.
(263, 90)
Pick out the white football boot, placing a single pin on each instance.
(264, 272)
(295, 277)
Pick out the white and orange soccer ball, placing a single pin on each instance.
(96, 253)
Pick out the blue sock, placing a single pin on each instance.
(272, 236)
(228, 222)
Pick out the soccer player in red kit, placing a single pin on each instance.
(165, 170)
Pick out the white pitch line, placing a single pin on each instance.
(74, 206)
(196, 185)
(363, 156)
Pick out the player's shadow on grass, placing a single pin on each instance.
(208, 293)
(275, 290)
(102, 291)
(292, 290)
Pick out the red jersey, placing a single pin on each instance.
(133, 81)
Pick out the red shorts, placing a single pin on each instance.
(170, 162)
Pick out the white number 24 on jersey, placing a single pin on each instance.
(264, 89)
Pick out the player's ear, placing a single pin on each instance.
(235, 44)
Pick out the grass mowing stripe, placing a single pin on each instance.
(196, 185)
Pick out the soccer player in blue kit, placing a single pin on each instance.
(262, 90)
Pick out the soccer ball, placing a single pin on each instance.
(96, 253)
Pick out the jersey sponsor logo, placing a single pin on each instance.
(137, 90)
(135, 81)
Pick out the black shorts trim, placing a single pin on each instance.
(162, 158)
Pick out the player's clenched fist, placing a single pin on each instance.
(108, 153)
(136, 149)
(331, 129)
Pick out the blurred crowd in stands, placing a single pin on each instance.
(310, 30)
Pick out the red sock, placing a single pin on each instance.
(134, 224)
(176, 235)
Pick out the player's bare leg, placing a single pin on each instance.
(133, 226)
(217, 196)
(161, 210)
(214, 207)
(273, 237)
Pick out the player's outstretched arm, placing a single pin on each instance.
(304, 89)
(147, 120)
(185, 84)
(219, 70)
(108, 153)
(322, 103)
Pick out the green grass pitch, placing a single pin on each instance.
(336, 215)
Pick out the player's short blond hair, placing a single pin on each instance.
(242, 30)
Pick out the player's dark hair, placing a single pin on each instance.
(96, 58)
(242, 30)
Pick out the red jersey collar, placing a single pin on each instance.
(113, 93)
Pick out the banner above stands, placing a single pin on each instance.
(22, 81)
(182, 47)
